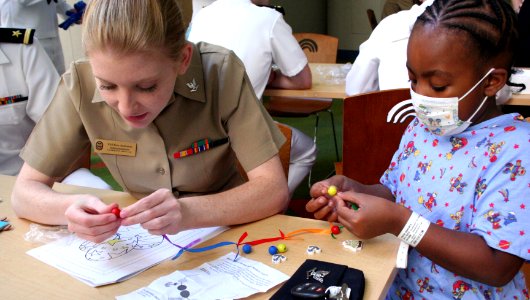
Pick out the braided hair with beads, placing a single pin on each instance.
(491, 25)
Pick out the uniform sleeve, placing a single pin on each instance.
(254, 136)
(62, 7)
(363, 76)
(286, 52)
(41, 78)
(28, 2)
(501, 197)
(59, 138)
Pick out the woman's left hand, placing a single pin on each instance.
(375, 216)
(158, 213)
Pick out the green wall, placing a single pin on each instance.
(305, 15)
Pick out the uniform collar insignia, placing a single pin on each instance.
(193, 86)
(16, 33)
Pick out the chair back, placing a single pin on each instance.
(319, 48)
(369, 142)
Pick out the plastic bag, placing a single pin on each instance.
(44, 234)
(331, 74)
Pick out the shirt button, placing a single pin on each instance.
(161, 171)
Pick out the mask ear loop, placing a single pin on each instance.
(478, 109)
(476, 84)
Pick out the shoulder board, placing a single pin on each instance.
(277, 8)
(17, 35)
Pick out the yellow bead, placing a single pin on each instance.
(332, 190)
(281, 248)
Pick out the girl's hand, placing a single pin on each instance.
(322, 204)
(91, 219)
(159, 213)
(375, 216)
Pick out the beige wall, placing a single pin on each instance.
(347, 20)
(305, 15)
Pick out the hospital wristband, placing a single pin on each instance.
(414, 230)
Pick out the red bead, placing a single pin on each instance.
(335, 229)
(116, 211)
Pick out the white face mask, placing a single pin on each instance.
(440, 115)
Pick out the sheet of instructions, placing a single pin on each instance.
(222, 278)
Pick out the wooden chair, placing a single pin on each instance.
(319, 48)
(371, 18)
(369, 142)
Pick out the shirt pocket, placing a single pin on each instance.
(13, 113)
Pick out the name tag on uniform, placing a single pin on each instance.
(115, 147)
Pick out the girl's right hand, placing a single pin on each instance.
(91, 219)
(373, 216)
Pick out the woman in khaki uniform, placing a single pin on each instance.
(170, 120)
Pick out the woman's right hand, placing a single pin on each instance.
(322, 205)
(91, 219)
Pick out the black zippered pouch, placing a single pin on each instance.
(325, 273)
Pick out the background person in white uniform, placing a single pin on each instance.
(40, 15)
(381, 63)
(260, 37)
(28, 82)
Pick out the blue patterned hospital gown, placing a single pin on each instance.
(473, 182)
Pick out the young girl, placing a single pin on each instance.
(170, 119)
(457, 188)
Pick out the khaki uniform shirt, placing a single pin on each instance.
(214, 100)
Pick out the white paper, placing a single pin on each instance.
(130, 251)
(521, 76)
(222, 278)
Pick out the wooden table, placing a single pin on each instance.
(319, 89)
(519, 99)
(24, 277)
